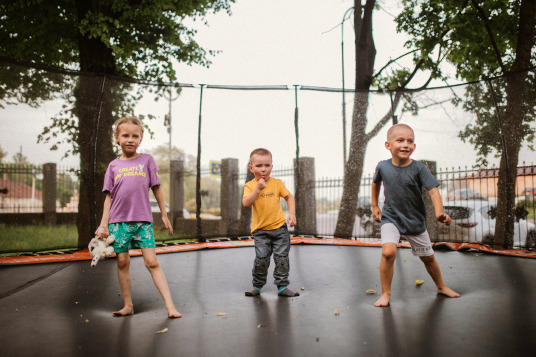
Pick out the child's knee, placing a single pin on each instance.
(389, 252)
(281, 262)
(429, 259)
(262, 264)
(123, 261)
(152, 264)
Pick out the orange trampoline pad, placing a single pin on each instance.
(84, 254)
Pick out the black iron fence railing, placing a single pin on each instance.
(469, 196)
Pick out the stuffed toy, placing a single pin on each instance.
(100, 248)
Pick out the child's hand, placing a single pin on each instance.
(291, 220)
(102, 232)
(377, 213)
(261, 184)
(444, 218)
(167, 224)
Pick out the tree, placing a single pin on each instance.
(2, 154)
(136, 39)
(396, 82)
(483, 39)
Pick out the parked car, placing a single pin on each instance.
(364, 212)
(473, 221)
(530, 194)
(155, 208)
(465, 194)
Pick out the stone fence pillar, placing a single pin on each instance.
(176, 186)
(49, 193)
(229, 203)
(305, 196)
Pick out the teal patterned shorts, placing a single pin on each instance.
(131, 235)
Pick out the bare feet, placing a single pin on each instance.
(383, 301)
(125, 311)
(448, 292)
(173, 313)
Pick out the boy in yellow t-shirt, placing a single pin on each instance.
(269, 227)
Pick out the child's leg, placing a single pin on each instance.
(151, 263)
(123, 274)
(432, 267)
(386, 273)
(263, 252)
(281, 245)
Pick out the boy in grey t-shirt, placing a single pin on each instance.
(403, 211)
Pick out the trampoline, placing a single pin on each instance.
(64, 308)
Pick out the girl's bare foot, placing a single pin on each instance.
(448, 292)
(174, 314)
(125, 311)
(383, 301)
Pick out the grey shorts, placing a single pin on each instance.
(421, 246)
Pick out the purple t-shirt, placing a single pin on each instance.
(128, 182)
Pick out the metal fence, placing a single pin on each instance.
(21, 189)
(469, 196)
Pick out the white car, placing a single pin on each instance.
(473, 221)
(155, 208)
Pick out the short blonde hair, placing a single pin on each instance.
(125, 120)
(260, 151)
(396, 126)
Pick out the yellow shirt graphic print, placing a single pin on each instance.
(267, 212)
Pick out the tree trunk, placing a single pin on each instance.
(512, 127)
(353, 170)
(93, 107)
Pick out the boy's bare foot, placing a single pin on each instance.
(174, 314)
(383, 301)
(448, 292)
(125, 311)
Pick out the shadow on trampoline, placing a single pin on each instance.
(65, 308)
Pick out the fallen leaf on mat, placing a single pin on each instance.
(162, 331)
(221, 313)
(419, 282)
(369, 291)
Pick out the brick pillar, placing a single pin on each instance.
(229, 198)
(432, 225)
(176, 187)
(305, 197)
(49, 193)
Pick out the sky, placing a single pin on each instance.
(277, 42)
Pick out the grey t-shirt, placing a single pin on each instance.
(404, 206)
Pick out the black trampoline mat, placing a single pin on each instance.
(64, 309)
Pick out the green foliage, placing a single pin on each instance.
(457, 31)
(479, 38)
(143, 35)
(2, 154)
(139, 39)
(485, 131)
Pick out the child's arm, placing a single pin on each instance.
(105, 217)
(438, 206)
(159, 195)
(250, 199)
(291, 210)
(375, 193)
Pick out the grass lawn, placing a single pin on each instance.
(15, 238)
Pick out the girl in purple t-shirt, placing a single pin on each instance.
(127, 211)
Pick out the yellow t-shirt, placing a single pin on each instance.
(267, 212)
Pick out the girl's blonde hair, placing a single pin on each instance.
(125, 120)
